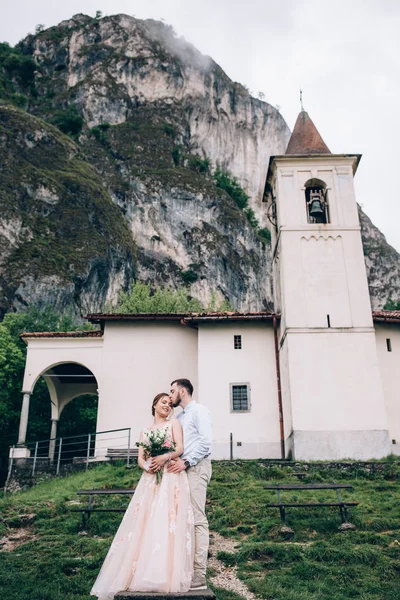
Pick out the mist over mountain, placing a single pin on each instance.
(112, 134)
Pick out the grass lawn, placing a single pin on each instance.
(57, 561)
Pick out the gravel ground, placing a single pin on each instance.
(225, 577)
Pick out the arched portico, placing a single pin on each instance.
(69, 370)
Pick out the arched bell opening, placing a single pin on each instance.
(317, 205)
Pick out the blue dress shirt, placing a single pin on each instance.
(197, 432)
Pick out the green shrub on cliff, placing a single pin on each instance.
(68, 121)
(392, 305)
(225, 181)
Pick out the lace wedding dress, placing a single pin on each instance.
(153, 549)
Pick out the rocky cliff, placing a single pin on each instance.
(62, 239)
(382, 263)
(149, 120)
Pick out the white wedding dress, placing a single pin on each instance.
(153, 549)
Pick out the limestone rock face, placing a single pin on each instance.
(382, 263)
(181, 231)
(111, 66)
(63, 242)
(130, 193)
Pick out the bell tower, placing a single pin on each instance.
(332, 392)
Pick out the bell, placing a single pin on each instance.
(316, 210)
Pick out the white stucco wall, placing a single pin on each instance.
(332, 378)
(333, 400)
(390, 375)
(286, 398)
(336, 394)
(45, 353)
(219, 365)
(322, 268)
(139, 361)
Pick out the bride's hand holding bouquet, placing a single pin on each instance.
(157, 444)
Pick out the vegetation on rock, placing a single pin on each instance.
(62, 219)
(148, 154)
(68, 121)
(392, 305)
(224, 180)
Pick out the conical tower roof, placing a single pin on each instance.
(305, 138)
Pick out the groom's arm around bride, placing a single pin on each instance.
(197, 438)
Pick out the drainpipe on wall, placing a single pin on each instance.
(278, 383)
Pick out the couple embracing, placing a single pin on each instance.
(162, 542)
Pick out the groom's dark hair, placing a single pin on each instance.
(185, 383)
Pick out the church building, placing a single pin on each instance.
(317, 379)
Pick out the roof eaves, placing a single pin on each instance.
(386, 316)
(186, 317)
(60, 334)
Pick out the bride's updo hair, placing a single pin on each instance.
(156, 399)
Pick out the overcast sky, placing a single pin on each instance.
(344, 54)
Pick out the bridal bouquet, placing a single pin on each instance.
(156, 445)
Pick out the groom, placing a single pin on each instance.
(197, 437)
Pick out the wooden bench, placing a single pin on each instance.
(122, 453)
(91, 507)
(282, 505)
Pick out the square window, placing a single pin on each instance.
(240, 397)
(237, 342)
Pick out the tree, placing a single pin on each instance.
(20, 67)
(141, 299)
(11, 370)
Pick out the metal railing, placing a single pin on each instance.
(83, 449)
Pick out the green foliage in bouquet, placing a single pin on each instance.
(156, 445)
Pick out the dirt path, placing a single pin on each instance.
(225, 577)
(15, 538)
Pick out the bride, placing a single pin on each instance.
(153, 549)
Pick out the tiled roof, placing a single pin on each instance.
(97, 333)
(305, 138)
(379, 316)
(386, 316)
(185, 317)
(231, 316)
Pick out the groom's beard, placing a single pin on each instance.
(176, 403)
